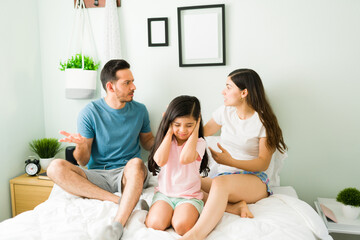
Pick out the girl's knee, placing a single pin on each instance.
(155, 224)
(181, 227)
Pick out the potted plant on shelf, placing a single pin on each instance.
(46, 149)
(350, 198)
(80, 74)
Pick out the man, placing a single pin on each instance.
(110, 130)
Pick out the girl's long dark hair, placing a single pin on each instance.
(179, 107)
(250, 80)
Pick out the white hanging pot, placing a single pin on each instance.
(45, 162)
(350, 212)
(80, 84)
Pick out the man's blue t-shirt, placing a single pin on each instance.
(115, 132)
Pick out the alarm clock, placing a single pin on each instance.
(32, 167)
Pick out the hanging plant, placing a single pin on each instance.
(76, 62)
(80, 69)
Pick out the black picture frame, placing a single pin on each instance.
(158, 32)
(201, 35)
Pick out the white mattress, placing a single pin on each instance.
(286, 190)
(64, 216)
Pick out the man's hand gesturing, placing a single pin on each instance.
(72, 138)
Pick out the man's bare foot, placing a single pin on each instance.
(239, 208)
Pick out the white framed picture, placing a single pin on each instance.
(201, 32)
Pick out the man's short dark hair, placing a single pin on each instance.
(108, 73)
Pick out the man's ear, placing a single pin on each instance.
(109, 87)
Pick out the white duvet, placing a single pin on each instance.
(64, 216)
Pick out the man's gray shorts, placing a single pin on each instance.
(109, 180)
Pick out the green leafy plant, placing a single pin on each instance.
(349, 196)
(76, 62)
(45, 147)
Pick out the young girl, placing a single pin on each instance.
(250, 134)
(179, 157)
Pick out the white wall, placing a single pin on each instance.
(21, 101)
(307, 53)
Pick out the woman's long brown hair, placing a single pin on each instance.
(250, 80)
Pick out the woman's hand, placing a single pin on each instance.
(222, 157)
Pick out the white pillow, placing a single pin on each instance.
(212, 142)
(273, 170)
(275, 167)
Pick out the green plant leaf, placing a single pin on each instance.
(76, 62)
(349, 196)
(45, 147)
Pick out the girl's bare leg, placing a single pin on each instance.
(159, 216)
(184, 218)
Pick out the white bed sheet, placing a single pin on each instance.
(64, 216)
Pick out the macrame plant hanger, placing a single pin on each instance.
(81, 82)
(112, 44)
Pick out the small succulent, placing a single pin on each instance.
(349, 196)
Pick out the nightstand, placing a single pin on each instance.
(28, 192)
(343, 225)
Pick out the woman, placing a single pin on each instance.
(250, 134)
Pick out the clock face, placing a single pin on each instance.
(31, 168)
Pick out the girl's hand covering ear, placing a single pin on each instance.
(170, 130)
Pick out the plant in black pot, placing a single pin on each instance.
(350, 198)
(46, 149)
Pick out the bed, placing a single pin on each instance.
(65, 216)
